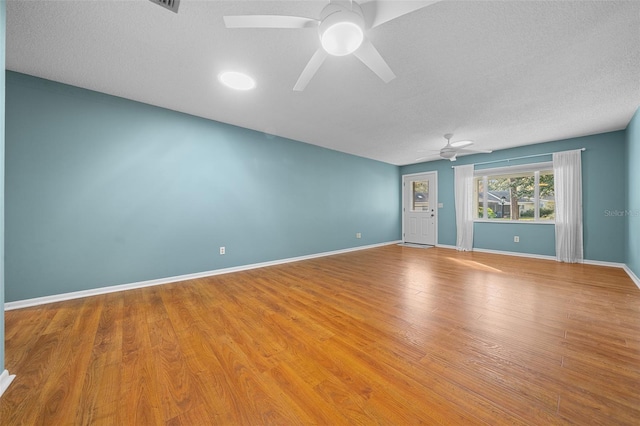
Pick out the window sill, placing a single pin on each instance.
(528, 222)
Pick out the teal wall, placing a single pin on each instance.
(604, 191)
(633, 194)
(104, 191)
(3, 5)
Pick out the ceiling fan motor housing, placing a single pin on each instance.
(341, 29)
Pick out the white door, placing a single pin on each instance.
(419, 222)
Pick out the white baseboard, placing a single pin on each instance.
(445, 246)
(5, 381)
(633, 276)
(112, 289)
(628, 270)
(603, 263)
(515, 253)
(547, 257)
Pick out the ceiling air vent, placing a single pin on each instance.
(172, 5)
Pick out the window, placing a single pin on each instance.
(517, 193)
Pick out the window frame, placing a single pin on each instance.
(534, 168)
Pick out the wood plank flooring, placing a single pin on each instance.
(391, 335)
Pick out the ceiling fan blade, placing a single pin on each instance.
(370, 56)
(310, 70)
(461, 144)
(474, 151)
(430, 158)
(379, 12)
(269, 21)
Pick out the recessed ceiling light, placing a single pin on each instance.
(237, 80)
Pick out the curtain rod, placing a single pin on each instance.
(518, 158)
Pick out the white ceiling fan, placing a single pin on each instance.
(452, 149)
(341, 27)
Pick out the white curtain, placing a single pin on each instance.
(567, 175)
(464, 206)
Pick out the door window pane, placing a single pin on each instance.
(420, 196)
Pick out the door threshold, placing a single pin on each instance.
(416, 245)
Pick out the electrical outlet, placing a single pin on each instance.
(222, 250)
(516, 239)
(358, 235)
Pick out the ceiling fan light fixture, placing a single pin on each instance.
(342, 38)
(448, 154)
(341, 33)
(237, 80)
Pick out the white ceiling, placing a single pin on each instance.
(502, 73)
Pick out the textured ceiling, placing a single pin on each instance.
(502, 73)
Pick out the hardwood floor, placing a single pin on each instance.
(392, 335)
